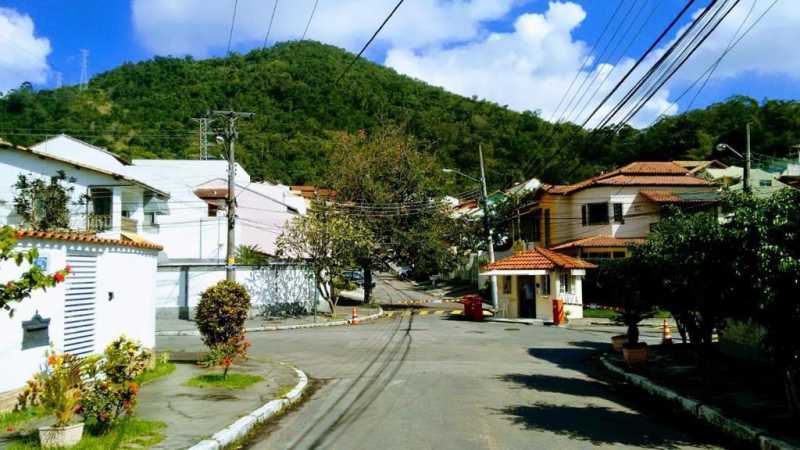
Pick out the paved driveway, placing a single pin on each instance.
(429, 382)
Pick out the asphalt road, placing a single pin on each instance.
(429, 382)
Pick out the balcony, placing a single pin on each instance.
(129, 225)
(97, 223)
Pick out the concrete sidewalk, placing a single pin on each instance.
(342, 312)
(193, 414)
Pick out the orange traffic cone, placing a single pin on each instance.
(666, 334)
(355, 320)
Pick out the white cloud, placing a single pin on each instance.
(185, 27)
(529, 68)
(23, 56)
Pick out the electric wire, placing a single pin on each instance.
(233, 25)
(310, 18)
(269, 27)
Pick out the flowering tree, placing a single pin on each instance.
(33, 278)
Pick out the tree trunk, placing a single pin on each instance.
(367, 285)
(790, 382)
(633, 333)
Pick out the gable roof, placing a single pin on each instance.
(80, 165)
(538, 258)
(700, 165)
(639, 173)
(128, 239)
(44, 143)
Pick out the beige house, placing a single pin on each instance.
(529, 282)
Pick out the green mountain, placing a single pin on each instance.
(144, 110)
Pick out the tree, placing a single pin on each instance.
(33, 278)
(767, 233)
(627, 285)
(43, 205)
(250, 255)
(329, 241)
(384, 181)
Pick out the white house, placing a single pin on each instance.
(104, 198)
(110, 292)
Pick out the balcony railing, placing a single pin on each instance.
(129, 225)
(98, 222)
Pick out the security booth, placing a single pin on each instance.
(531, 282)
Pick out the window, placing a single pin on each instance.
(507, 284)
(544, 285)
(618, 255)
(212, 210)
(594, 214)
(565, 286)
(765, 183)
(598, 255)
(150, 219)
(618, 217)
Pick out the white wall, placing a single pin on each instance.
(128, 272)
(181, 287)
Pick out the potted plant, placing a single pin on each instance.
(61, 393)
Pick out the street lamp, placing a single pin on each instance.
(487, 226)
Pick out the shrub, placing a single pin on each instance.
(224, 354)
(280, 309)
(113, 392)
(61, 386)
(221, 313)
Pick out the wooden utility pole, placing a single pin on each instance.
(488, 225)
(230, 142)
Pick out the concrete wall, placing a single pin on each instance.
(127, 272)
(179, 288)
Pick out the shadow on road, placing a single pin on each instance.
(558, 385)
(596, 424)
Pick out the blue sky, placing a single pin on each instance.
(522, 53)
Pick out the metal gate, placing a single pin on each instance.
(79, 304)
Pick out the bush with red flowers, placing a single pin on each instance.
(32, 279)
(114, 391)
(224, 355)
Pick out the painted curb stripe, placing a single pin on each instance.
(241, 427)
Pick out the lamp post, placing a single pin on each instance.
(747, 158)
(486, 223)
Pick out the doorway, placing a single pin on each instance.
(526, 289)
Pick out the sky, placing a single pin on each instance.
(521, 53)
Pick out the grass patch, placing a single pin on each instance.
(663, 315)
(160, 370)
(128, 434)
(215, 380)
(598, 313)
(14, 419)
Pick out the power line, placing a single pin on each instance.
(310, 18)
(363, 49)
(586, 60)
(233, 24)
(269, 27)
(641, 59)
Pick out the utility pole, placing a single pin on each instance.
(747, 159)
(230, 141)
(488, 226)
(84, 69)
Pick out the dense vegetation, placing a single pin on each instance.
(145, 110)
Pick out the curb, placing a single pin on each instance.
(707, 414)
(280, 327)
(241, 427)
(539, 322)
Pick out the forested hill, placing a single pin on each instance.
(145, 110)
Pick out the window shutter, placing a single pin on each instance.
(583, 215)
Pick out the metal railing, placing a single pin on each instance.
(98, 222)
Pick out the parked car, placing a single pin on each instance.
(403, 273)
(356, 276)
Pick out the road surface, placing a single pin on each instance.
(418, 381)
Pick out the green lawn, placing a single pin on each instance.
(602, 313)
(160, 370)
(14, 419)
(129, 434)
(232, 381)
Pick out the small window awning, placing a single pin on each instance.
(156, 204)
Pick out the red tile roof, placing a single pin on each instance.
(538, 259)
(74, 236)
(311, 192)
(671, 197)
(642, 173)
(599, 241)
(206, 193)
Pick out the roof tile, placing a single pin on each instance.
(75, 236)
(538, 259)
